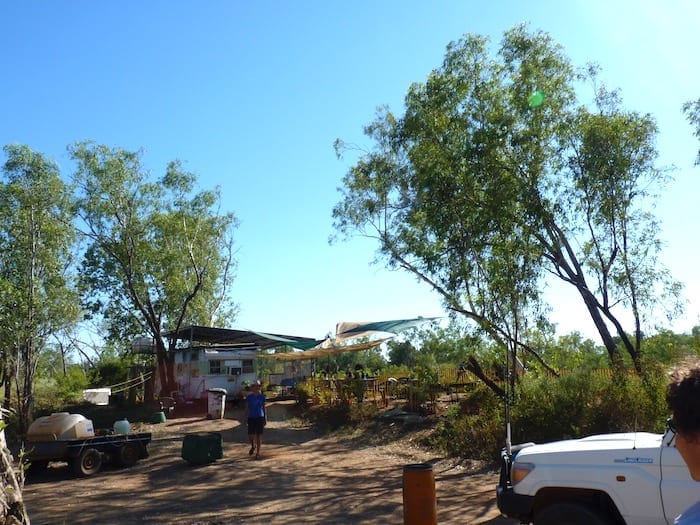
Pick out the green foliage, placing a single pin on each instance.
(580, 403)
(473, 428)
(37, 238)
(265, 367)
(692, 113)
(586, 402)
(159, 250)
(436, 346)
(305, 393)
(314, 391)
(54, 393)
(10, 420)
(450, 345)
(160, 253)
(402, 353)
(426, 372)
(341, 416)
(371, 359)
(72, 383)
(357, 389)
(484, 196)
(397, 371)
(569, 352)
(666, 348)
(108, 371)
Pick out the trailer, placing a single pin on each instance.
(199, 369)
(71, 438)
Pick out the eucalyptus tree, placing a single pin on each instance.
(692, 113)
(160, 253)
(37, 295)
(496, 178)
(401, 353)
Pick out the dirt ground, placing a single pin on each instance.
(301, 477)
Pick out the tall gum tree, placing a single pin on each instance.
(37, 298)
(495, 179)
(160, 254)
(37, 294)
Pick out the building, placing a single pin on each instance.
(207, 358)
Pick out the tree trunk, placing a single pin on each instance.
(7, 394)
(162, 373)
(569, 268)
(166, 374)
(25, 387)
(475, 368)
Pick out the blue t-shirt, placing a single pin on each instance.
(690, 516)
(256, 405)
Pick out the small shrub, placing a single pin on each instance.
(585, 402)
(330, 418)
(474, 428)
(303, 394)
(548, 408)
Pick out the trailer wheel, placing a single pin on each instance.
(87, 463)
(129, 454)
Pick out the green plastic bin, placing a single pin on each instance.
(202, 447)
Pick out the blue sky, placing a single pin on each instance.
(251, 95)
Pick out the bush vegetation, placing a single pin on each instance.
(585, 399)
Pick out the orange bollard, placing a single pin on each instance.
(419, 501)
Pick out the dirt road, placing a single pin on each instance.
(300, 478)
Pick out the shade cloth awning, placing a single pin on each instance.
(311, 348)
(317, 353)
(237, 338)
(352, 329)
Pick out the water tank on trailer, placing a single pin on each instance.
(60, 426)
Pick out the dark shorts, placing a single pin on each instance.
(256, 425)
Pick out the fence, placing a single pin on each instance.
(383, 389)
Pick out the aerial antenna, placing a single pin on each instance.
(510, 369)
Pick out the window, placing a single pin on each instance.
(248, 366)
(214, 367)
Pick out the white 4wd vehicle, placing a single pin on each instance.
(612, 479)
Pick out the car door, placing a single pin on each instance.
(678, 490)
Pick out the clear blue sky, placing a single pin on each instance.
(252, 94)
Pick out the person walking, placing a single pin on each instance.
(683, 398)
(256, 418)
